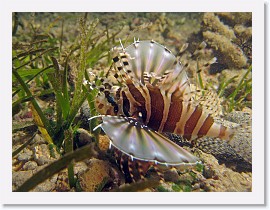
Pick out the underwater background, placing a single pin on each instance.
(54, 146)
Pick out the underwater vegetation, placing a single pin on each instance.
(131, 91)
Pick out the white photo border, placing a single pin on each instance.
(257, 196)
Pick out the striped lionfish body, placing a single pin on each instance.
(153, 96)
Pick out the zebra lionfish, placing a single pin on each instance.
(152, 97)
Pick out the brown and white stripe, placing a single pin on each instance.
(172, 114)
(162, 105)
(153, 96)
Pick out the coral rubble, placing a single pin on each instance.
(232, 43)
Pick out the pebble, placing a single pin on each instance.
(83, 137)
(42, 154)
(38, 139)
(62, 182)
(80, 167)
(95, 177)
(46, 186)
(19, 177)
(30, 165)
(171, 175)
(26, 155)
(18, 137)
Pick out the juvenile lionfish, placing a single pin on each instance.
(152, 97)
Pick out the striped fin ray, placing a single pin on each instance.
(149, 56)
(176, 83)
(134, 170)
(147, 62)
(139, 142)
(209, 101)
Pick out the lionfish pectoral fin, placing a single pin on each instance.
(135, 139)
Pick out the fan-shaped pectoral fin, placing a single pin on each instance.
(139, 142)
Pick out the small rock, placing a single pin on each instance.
(196, 186)
(95, 177)
(16, 138)
(19, 177)
(46, 186)
(42, 154)
(80, 167)
(104, 143)
(25, 155)
(30, 165)
(82, 138)
(62, 184)
(38, 139)
(171, 175)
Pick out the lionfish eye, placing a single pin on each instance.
(141, 116)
